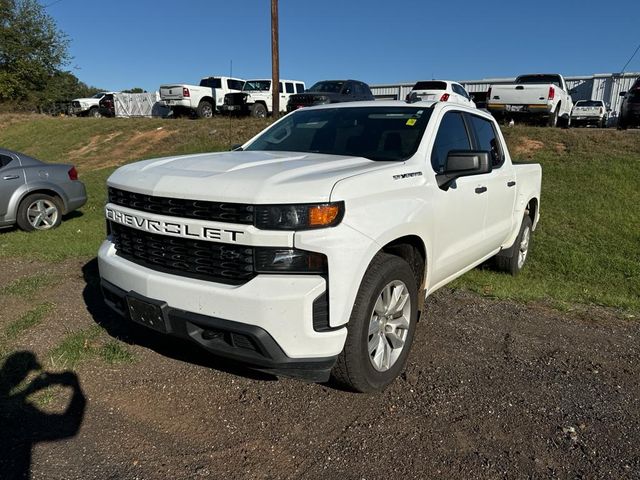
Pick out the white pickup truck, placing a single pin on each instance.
(311, 248)
(542, 97)
(87, 107)
(202, 100)
(256, 98)
(590, 112)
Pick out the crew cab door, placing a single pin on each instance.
(500, 183)
(460, 210)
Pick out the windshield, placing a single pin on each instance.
(539, 79)
(211, 82)
(257, 85)
(332, 87)
(430, 86)
(376, 133)
(99, 95)
(589, 103)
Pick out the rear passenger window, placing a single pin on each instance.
(487, 139)
(452, 135)
(299, 88)
(289, 86)
(5, 160)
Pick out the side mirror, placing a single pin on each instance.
(622, 94)
(462, 163)
(236, 147)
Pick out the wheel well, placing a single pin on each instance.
(532, 209)
(411, 249)
(51, 193)
(206, 99)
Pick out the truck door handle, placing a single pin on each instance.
(511, 183)
(10, 177)
(481, 189)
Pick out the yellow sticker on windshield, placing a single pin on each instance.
(411, 122)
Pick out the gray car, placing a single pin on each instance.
(36, 195)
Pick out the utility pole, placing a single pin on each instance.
(275, 59)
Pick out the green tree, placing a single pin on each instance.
(32, 50)
(134, 90)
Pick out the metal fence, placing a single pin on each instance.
(139, 105)
(601, 86)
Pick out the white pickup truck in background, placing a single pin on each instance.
(542, 97)
(256, 98)
(203, 100)
(311, 249)
(590, 112)
(87, 107)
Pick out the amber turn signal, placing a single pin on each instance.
(322, 215)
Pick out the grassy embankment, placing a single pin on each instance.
(586, 250)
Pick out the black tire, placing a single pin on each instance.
(258, 110)
(510, 263)
(94, 112)
(622, 124)
(354, 368)
(553, 119)
(25, 221)
(603, 122)
(205, 109)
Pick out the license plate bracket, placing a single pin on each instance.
(515, 108)
(148, 313)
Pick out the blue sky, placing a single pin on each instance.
(143, 43)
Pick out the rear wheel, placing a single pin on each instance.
(515, 260)
(258, 110)
(39, 212)
(622, 124)
(553, 119)
(381, 327)
(205, 109)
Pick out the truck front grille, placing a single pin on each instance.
(180, 207)
(217, 262)
(235, 98)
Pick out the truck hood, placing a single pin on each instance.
(243, 177)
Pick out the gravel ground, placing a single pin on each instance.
(493, 389)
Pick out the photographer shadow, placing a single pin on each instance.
(22, 424)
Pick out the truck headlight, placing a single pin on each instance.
(298, 217)
(288, 260)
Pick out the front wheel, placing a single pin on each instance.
(258, 110)
(39, 212)
(381, 327)
(94, 112)
(514, 261)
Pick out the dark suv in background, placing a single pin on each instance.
(630, 109)
(331, 91)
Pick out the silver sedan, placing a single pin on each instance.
(35, 195)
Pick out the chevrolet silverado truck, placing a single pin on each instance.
(203, 100)
(256, 98)
(309, 250)
(541, 97)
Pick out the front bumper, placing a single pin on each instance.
(235, 109)
(241, 342)
(281, 305)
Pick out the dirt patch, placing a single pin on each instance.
(527, 147)
(560, 147)
(114, 149)
(493, 389)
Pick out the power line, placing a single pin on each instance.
(625, 65)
